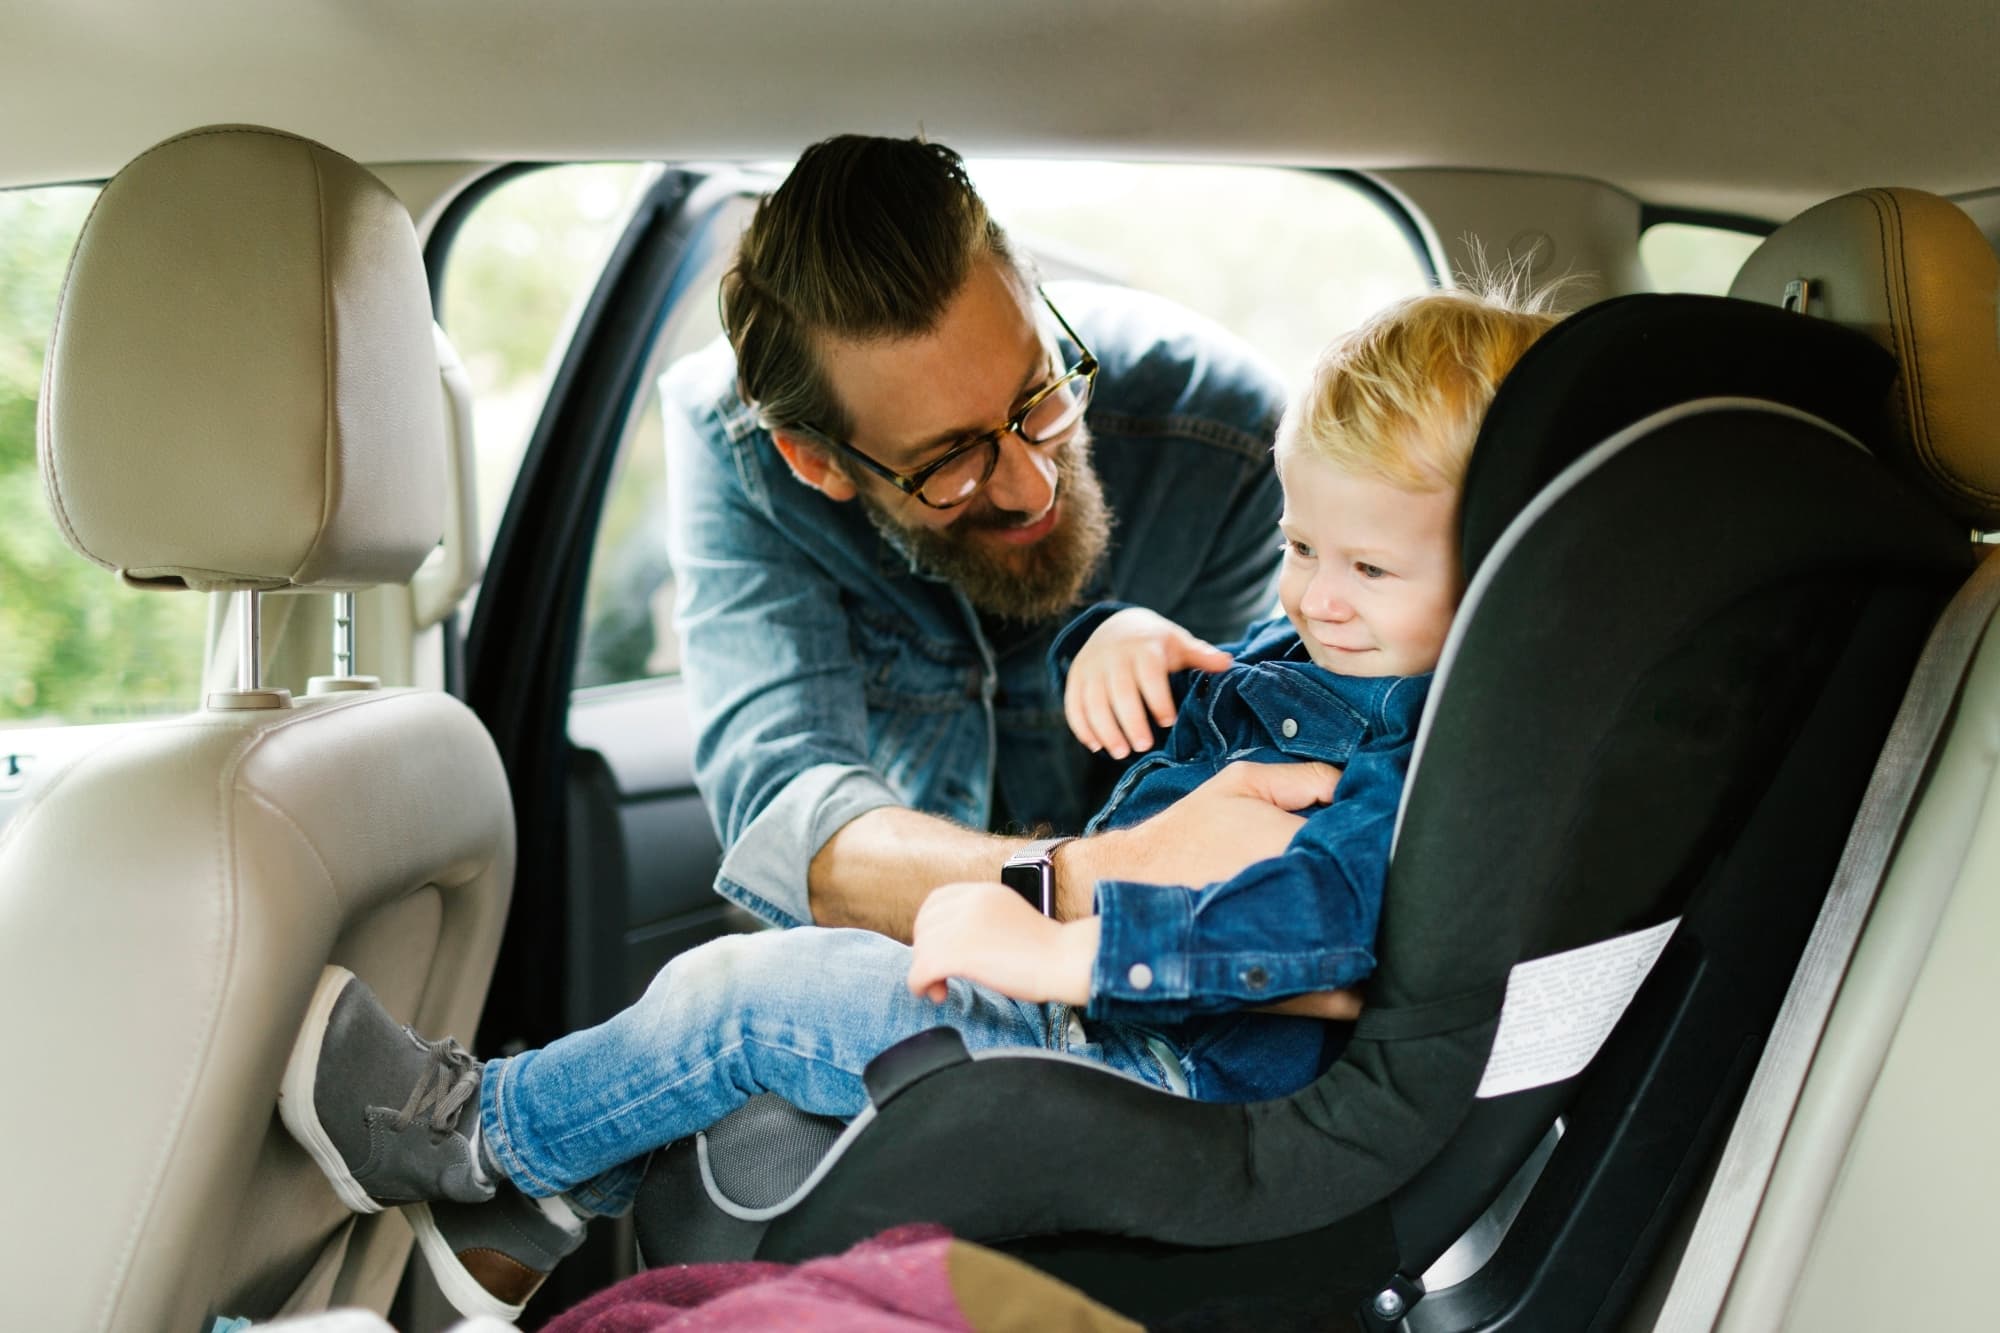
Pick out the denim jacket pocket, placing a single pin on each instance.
(927, 726)
(1303, 721)
(904, 670)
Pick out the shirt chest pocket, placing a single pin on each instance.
(903, 670)
(1298, 719)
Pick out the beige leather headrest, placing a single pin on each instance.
(1913, 272)
(242, 388)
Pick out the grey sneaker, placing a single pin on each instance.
(387, 1115)
(490, 1257)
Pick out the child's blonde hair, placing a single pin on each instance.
(1400, 398)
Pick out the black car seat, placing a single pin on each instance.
(1703, 561)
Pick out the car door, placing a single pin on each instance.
(615, 853)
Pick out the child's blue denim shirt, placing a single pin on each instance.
(1183, 961)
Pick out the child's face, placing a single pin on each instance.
(1370, 575)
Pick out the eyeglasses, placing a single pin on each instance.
(1047, 416)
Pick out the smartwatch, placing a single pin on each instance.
(1031, 872)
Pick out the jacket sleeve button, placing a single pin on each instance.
(1141, 976)
(1256, 978)
(1290, 726)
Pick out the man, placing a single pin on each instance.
(903, 470)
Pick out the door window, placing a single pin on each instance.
(1689, 257)
(521, 266)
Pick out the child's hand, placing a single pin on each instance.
(1120, 676)
(986, 932)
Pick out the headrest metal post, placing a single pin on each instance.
(343, 634)
(250, 641)
(249, 694)
(346, 636)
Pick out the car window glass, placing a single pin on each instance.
(1685, 257)
(76, 645)
(519, 270)
(1284, 258)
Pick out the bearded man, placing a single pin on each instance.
(903, 471)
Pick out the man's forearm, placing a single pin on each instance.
(876, 871)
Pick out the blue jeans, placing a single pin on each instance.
(796, 1012)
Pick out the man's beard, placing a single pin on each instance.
(1035, 582)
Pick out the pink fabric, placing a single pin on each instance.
(896, 1282)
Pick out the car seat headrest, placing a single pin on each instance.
(1912, 272)
(242, 387)
(1620, 361)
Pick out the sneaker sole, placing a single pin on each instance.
(459, 1287)
(295, 1093)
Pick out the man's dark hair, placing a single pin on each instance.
(867, 238)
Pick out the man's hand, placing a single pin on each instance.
(1240, 816)
(987, 933)
(1118, 682)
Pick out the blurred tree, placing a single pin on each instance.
(75, 644)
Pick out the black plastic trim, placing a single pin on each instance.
(1652, 215)
(437, 257)
(444, 233)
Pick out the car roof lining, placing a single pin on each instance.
(1762, 118)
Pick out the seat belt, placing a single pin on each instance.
(1708, 1265)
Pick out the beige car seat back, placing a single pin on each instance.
(241, 395)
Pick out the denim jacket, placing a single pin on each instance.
(827, 677)
(1170, 957)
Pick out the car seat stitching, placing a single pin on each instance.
(1908, 384)
(328, 427)
(273, 807)
(1904, 316)
(45, 434)
(56, 780)
(1901, 387)
(203, 1043)
(1932, 454)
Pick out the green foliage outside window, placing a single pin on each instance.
(76, 645)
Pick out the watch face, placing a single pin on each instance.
(1033, 880)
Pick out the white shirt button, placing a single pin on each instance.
(1140, 976)
(1290, 726)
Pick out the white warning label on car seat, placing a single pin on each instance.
(1560, 1009)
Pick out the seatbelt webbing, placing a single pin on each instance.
(1708, 1265)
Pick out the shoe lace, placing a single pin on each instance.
(444, 1089)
